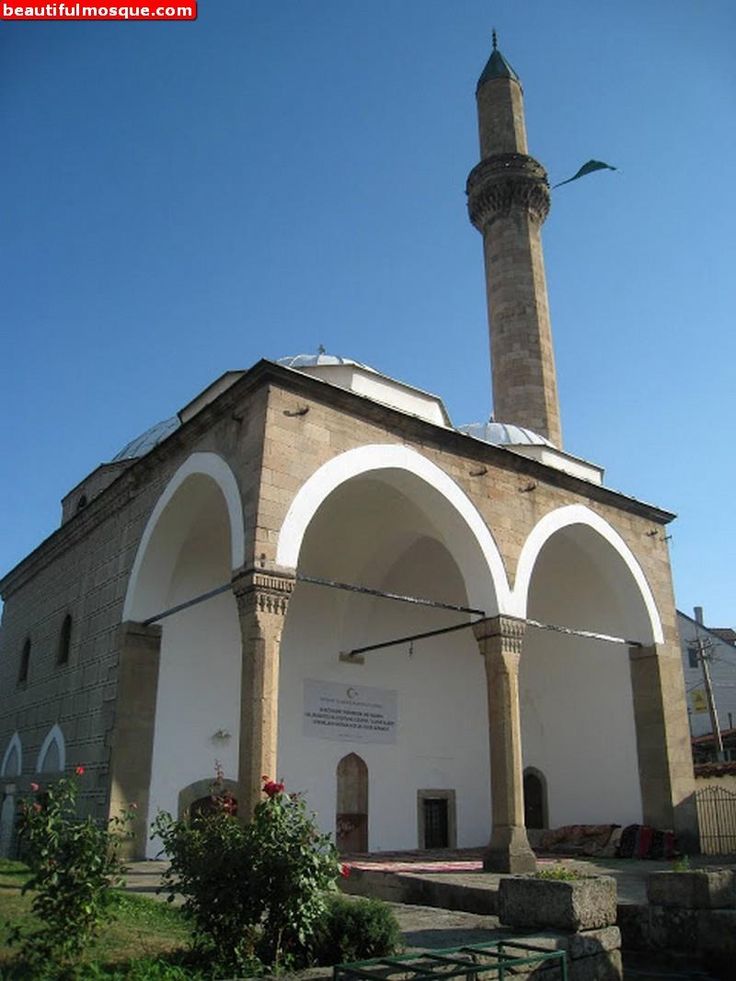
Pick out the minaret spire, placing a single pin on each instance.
(508, 200)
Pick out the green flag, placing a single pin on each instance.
(588, 168)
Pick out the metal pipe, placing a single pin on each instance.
(382, 594)
(590, 634)
(187, 604)
(409, 638)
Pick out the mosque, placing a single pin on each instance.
(443, 635)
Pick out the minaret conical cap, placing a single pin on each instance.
(496, 67)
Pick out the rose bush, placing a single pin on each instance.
(255, 893)
(74, 864)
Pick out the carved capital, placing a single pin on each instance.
(503, 182)
(263, 591)
(500, 635)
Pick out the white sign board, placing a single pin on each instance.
(349, 712)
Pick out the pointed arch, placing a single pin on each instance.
(159, 541)
(580, 514)
(54, 742)
(462, 525)
(13, 747)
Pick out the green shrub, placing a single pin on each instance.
(356, 930)
(255, 893)
(74, 864)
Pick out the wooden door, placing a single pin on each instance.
(351, 819)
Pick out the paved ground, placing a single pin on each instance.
(427, 927)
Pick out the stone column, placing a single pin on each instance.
(500, 641)
(263, 598)
(663, 740)
(131, 737)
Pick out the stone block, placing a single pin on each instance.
(696, 889)
(590, 943)
(672, 928)
(603, 967)
(575, 904)
(717, 935)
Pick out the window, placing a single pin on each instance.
(25, 662)
(692, 656)
(52, 755)
(65, 640)
(436, 818)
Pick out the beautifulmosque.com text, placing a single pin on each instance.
(87, 11)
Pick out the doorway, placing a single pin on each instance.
(351, 819)
(535, 799)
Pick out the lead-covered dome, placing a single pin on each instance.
(146, 441)
(320, 359)
(504, 434)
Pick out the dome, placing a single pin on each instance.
(319, 360)
(504, 434)
(146, 441)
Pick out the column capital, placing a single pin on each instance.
(263, 590)
(501, 634)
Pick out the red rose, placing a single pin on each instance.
(345, 871)
(272, 788)
(79, 771)
(35, 788)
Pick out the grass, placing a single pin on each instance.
(144, 929)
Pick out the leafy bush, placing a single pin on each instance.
(255, 893)
(74, 864)
(209, 860)
(355, 930)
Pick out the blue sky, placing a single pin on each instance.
(183, 199)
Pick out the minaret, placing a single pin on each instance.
(508, 199)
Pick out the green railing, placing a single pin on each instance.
(499, 959)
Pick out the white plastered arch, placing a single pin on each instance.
(54, 735)
(579, 514)
(491, 595)
(14, 744)
(198, 464)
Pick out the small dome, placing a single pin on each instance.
(146, 441)
(318, 360)
(504, 434)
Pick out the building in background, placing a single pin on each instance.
(718, 647)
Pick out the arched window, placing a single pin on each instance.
(52, 755)
(65, 640)
(13, 760)
(82, 502)
(25, 662)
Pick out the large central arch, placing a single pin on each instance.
(387, 518)
(456, 517)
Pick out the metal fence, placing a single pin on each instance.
(716, 808)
